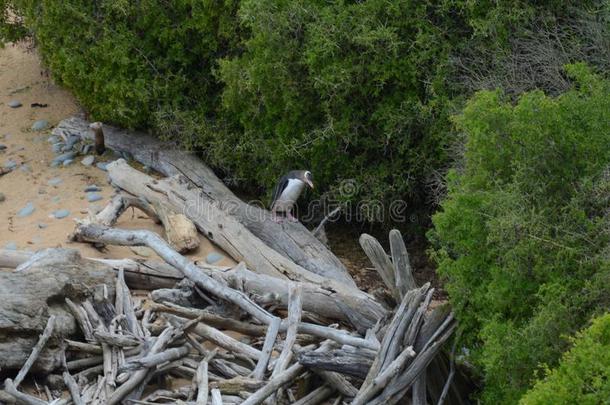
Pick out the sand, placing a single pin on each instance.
(23, 78)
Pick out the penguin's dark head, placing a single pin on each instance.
(307, 178)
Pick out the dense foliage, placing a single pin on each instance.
(523, 237)
(353, 90)
(583, 375)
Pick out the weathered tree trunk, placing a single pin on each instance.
(37, 291)
(291, 239)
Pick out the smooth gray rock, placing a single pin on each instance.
(53, 139)
(64, 156)
(14, 104)
(88, 160)
(10, 164)
(40, 125)
(59, 214)
(91, 188)
(27, 210)
(2, 147)
(102, 165)
(213, 257)
(68, 162)
(58, 147)
(55, 181)
(93, 197)
(42, 225)
(72, 140)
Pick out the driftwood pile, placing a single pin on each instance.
(270, 330)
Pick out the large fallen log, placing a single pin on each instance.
(290, 239)
(35, 292)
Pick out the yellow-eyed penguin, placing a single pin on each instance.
(288, 190)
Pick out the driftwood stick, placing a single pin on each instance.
(46, 334)
(95, 233)
(274, 384)
(447, 386)
(73, 388)
(316, 396)
(325, 220)
(83, 347)
(209, 318)
(272, 331)
(220, 339)
(419, 390)
(402, 265)
(180, 232)
(11, 389)
(152, 360)
(201, 377)
(138, 376)
(366, 393)
(216, 397)
(381, 262)
(127, 309)
(118, 205)
(294, 317)
(339, 360)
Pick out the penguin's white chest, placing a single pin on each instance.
(289, 195)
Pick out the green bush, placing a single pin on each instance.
(583, 374)
(129, 61)
(522, 238)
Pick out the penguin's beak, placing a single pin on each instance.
(309, 183)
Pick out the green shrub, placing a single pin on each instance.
(583, 374)
(522, 238)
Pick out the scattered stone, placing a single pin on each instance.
(72, 140)
(68, 162)
(27, 210)
(88, 160)
(59, 214)
(10, 164)
(26, 168)
(11, 246)
(2, 197)
(213, 257)
(63, 157)
(92, 188)
(42, 225)
(93, 197)
(102, 165)
(53, 139)
(58, 147)
(141, 251)
(86, 148)
(2, 147)
(14, 104)
(55, 181)
(40, 125)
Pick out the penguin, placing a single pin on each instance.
(288, 190)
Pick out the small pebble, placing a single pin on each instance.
(10, 164)
(58, 147)
(2, 197)
(40, 125)
(93, 197)
(68, 162)
(2, 147)
(213, 257)
(53, 139)
(14, 104)
(27, 210)
(72, 140)
(42, 225)
(26, 168)
(59, 214)
(102, 165)
(63, 157)
(91, 188)
(141, 251)
(11, 246)
(55, 181)
(88, 160)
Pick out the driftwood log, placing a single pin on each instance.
(36, 291)
(290, 239)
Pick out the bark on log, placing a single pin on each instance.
(292, 240)
(38, 290)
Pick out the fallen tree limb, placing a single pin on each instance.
(292, 240)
